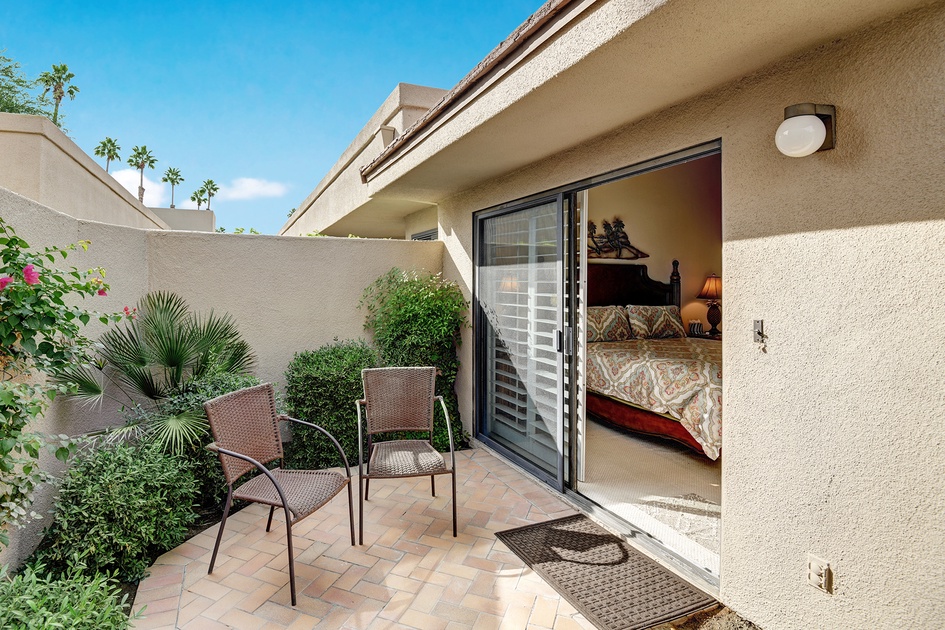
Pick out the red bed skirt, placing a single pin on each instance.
(640, 420)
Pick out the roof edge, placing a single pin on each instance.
(513, 42)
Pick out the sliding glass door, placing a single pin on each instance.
(521, 335)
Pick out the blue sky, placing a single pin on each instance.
(261, 97)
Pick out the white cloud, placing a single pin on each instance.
(250, 188)
(156, 194)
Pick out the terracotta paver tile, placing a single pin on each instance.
(416, 619)
(465, 616)
(165, 619)
(202, 623)
(222, 605)
(282, 615)
(241, 619)
(342, 598)
(304, 622)
(154, 594)
(193, 609)
(258, 597)
(544, 612)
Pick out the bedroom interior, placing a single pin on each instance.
(649, 438)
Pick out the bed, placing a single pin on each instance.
(669, 387)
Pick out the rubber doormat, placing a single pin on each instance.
(612, 584)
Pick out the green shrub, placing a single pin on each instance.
(36, 599)
(120, 506)
(416, 319)
(321, 387)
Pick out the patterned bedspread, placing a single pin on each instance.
(681, 378)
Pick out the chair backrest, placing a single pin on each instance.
(245, 421)
(399, 399)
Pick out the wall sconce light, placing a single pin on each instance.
(807, 129)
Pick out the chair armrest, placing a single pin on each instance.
(449, 431)
(344, 458)
(246, 458)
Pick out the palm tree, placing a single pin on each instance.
(172, 177)
(209, 188)
(108, 149)
(158, 355)
(198, 197)
(56, 82)
(141, 158)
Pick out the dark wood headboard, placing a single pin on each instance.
(623, 284)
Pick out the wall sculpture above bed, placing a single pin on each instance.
(651, 378)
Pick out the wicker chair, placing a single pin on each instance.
(400, 399)
(246, 429)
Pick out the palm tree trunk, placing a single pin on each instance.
(141, 186)
(172, 195)
(107, 162)
(55, 114)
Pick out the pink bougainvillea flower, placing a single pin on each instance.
(102, 292)
(4, 281)
(30, 275)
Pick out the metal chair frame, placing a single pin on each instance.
(365, 477)
(260, 466)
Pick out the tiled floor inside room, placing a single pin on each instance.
(666, 490)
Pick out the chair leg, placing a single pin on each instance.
(226, 512)
(453, 475)
(288, 542)
(433, 485)
(360, 511)
(351, 513)
(272, 509)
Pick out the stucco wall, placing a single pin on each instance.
(38, 161)
(672, 213)
(285, 294)
(833, 437)
(297, 294)
(186, 219)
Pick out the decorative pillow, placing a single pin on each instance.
(607, 323)
(655, 322)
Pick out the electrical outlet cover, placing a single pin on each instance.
(819, 573)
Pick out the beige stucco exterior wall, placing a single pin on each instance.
(296, 294)
(187, 219)
(420, 221)
(671, 214)
(299, 294)
(38, 161)
(832, 436)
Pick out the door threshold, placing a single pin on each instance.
(647, 544)
(634, 536)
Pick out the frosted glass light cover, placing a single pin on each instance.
(800, 136)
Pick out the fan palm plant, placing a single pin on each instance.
(108, 149)
(141, 158)
(155, 356)
(173, 177)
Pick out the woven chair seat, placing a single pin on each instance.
(406, 458)
(305, 490)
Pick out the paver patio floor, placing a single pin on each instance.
(410, 572)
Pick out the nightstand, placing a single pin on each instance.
(717, 337)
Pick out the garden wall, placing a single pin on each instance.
(286, 294)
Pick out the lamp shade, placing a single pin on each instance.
(800, 136)
(712, 290)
